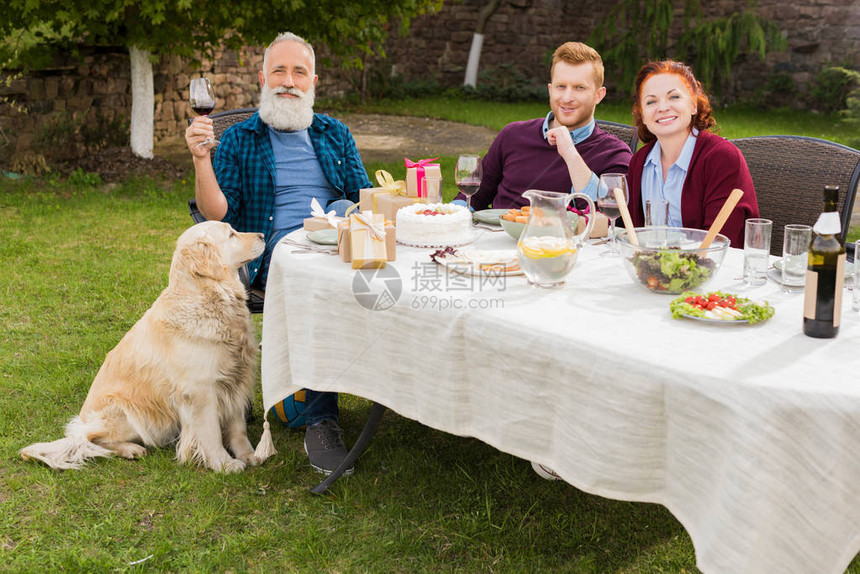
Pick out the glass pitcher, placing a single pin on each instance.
(548, 245)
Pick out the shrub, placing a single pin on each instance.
(830, 90)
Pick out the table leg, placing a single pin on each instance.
(373, 419)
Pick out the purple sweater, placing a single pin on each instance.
(520, 159)
(716, 168)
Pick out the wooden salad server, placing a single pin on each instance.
(722, 216)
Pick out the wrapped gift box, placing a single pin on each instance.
(379, 200)
(416, 171)
(345, 235)
(317, 223)
(387, 198)
(601, 225)
(320, 219)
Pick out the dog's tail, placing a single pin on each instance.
(70, 452)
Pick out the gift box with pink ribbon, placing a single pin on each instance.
(416, 172)
(387, 198)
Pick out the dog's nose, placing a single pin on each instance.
(260, 236)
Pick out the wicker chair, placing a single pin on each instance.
(625, 133)
(223, 120)
(789, 174)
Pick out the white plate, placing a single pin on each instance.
(323, 236)
(469, 262)
(489, 216)
(718, 321)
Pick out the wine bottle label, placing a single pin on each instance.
(810, 294)
(829, 284)
(828, 223)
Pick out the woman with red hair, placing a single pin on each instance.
(683, 163)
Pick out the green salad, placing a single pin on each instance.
(720, 306)
(672, 271)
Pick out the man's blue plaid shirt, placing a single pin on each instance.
(245, 168)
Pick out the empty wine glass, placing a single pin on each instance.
(609, 206)
(467, 176)
(202, 98)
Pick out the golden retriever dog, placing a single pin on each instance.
(184, 372)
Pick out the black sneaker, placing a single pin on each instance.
(324, 447)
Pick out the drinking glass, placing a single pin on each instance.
(656, 213)
(467, 176)
(433, 188)
(795, 255)
(202, 98)
(855, 291)
(609, 206)
(757, 234)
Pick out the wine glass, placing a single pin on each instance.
(609, 206)
(467, 176)
(202, 98)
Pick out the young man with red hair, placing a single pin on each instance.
(565, 151)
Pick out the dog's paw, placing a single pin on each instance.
(231, 465)
(250, 459)
(130, 450)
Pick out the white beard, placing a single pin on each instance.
(287, 114)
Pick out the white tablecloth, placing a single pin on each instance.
(749, 435)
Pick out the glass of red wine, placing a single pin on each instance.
(202, 98)
(608, 204)
(467, 176)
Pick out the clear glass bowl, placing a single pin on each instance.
(668, 259)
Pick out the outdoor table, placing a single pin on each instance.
(748, 434)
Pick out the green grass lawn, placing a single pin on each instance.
(81, 264)
(734, 122)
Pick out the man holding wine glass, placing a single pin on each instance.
(565, 151)
(263, 176)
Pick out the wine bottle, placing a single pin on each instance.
(825, 272)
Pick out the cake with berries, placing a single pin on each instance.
(434, 225)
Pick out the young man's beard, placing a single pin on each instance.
(287, 114)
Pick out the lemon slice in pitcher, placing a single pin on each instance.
(546, 247)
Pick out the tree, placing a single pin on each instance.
(635, 31)
(471, 78)
(152, 28)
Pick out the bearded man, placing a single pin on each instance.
(265, 172)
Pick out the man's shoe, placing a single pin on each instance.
(324, 447)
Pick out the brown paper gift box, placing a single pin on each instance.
(378, 200)
(317, 223)
(387, 198)
(344, 246)
(601, 225)
(412, 177)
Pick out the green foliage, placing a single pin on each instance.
(714, 46)
(831, 88)
(635, 31)
(80, 178)
(58, 132)
(505, 84)
(501, 84)
(349, 29)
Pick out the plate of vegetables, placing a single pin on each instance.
(719, 307)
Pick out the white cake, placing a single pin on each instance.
(434, 225)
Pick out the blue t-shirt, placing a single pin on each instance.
(298, 178)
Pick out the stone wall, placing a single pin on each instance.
(85, 102)
(525, 32)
